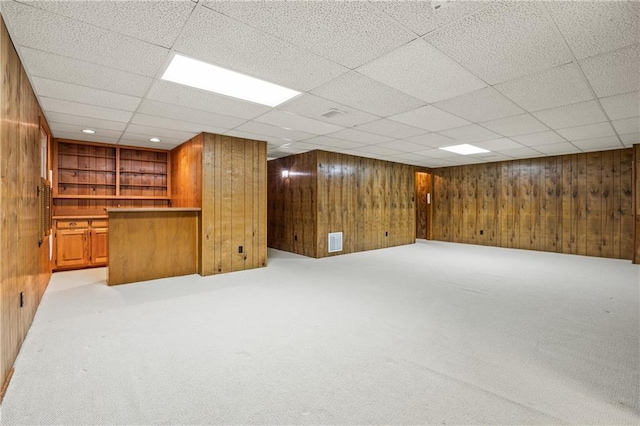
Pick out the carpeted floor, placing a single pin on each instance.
(431, 333)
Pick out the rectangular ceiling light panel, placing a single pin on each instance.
(201, 75)
(464, 149)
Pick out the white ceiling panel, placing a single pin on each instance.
(630, 139)
(274, 131)
(498, 144)
(170, 124)
(627, 125)
(501, 42)
(436, 153)
(614, 72)
(74, 108)
(162, 24)
(165, 134)
(197, 99)
(420, 16)
(471, 133)
(311, 106)
(622, 106)
(86, 138)
(481, 105)
(406, 158)
(379, 150)
(74, 129)
(597, 144)
(516, 125)
(400, 145)
(430, 118)
(521, 153)
(594, 27)
(360, 137)
(427, 74)
(74, 93)
(434, 140)
(339, 31)
(69, 70)
(35, 28)
(391, 128)
(440, 162)
(85, 122)
(228, 43)
(161, 109)
(361, 92)
(296, 122)
(559, 86)
(536, 139)
(140, 142)
(272, 140)
(589, 131)
(558, 148)
(332, 143)
(571, 115)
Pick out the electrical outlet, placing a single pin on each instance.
(481, 232)
(295, 238)
(386, 234)
(240, 249)
(21, 299)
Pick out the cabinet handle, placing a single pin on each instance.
(73, 224)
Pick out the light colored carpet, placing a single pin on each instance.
(431, 333)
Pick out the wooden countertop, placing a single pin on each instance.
(154, 209)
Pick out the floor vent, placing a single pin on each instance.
(335, 241)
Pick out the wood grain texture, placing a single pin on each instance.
(186, 178)
(577, 204)
(24, 266)
(636, 202)
(423, 209)
(148, 245)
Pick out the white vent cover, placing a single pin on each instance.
(332, 113)
(335, 241)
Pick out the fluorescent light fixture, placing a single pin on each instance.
(464, 149)
(88, 131)
(285, 173)
(202, 75)
(154, 140)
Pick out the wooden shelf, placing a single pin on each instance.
(143, 159)
(109, 197)
(74, 154)
(144, 173)
(86, 170)
(84, 183)
(136, 185)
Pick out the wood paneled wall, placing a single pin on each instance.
(370, 201)
(24, 266)
(227, 178)
(577, 204)
(636, 202)
(423, 207)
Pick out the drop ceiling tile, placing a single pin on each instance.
(596, 144)
(630, 139)
(75, 129)
(332, 143)
(420, 16)
(311, 106)
(466, 159)
(74, 93)
(572, 115)
(170, 124)
(375, 149)
(407, 158)
(272, 140)
(521, 153)
(622, 106)
(85, 122)
(69, 70)
(274, 131)
(86, 138)
(403, 146)
(468, 134)
(161, 109)
(589, 131)
(184, 96)
(498, 144)
(437, 153)
(361, 137)
(558, 148)
(150, 131)
(536, 139)
(614, 72)
(558, 86)
(138, 142)
(339, 31)
(365, 94)
(35, 28)
(427, 74)
(161, 25)
(74, 108)
(391, 128)
(297, 122)
(627, 125)
(501, 42)
(439, 163)
(225, 42)
(430, 118)
(481, 105)
(516, 125)
(592, 27)
(434, 140)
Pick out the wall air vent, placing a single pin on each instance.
(332, 113)
(335, 241)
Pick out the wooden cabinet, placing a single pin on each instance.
(80, 243)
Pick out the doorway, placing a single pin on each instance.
(423, 205)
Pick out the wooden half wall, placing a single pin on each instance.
(24, 265)
(576, 204)
(370, 201)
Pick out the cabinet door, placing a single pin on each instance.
(72, 247)
(99, 246)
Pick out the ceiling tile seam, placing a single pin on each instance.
(556, 30)
(448, 24)
(52, 122)
(223, 116)
(373, 4)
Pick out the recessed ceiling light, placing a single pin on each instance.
(202, 75)
(464, 149)
(154, 140)
(88, 131)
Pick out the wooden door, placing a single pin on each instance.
(423, 205)
(99, 246)
(72, 247)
